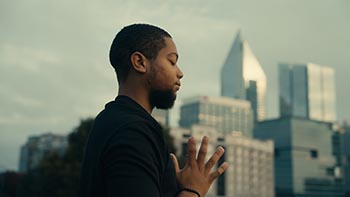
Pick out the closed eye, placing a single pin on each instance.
(173, 57)
(172, 62)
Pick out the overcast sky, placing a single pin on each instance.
(54, 67)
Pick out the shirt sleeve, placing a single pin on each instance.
(132, 162)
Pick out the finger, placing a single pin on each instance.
(202, 152)
(176, 163)
(191, 145)
(218, 172)
(214, 159)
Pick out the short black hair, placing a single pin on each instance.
(144, 38)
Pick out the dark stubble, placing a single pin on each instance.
(162, 99)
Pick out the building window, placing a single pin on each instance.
(186, 135)
(314, 154)
(277, 152)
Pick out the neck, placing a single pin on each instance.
(138, 95)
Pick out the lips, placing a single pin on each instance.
(177, 86)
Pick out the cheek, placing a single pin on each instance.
(164, 76)
(163, 82)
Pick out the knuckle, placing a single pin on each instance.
(203, 150)
(220, 171)
(218, 154)
(192, 151)
(214, 175)
(211, 162)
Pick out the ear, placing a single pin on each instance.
(138, 62)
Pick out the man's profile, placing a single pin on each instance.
(126, 154)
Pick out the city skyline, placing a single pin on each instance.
(54, 55)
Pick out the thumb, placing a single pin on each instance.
(176, 164)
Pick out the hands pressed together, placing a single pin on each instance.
(198, 175)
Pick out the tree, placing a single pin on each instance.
(57, 175)
(8, 183)
(169, 140)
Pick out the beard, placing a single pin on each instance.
(162, 99)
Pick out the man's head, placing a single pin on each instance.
(145, 59)
(143, 38)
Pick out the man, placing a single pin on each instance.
(126, 154)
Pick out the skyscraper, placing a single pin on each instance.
(222, 113)
(308, 91)
(242, 77)
(305, 156)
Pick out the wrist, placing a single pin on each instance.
(187, 192)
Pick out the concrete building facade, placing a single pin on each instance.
(222, 113)
(250, 171)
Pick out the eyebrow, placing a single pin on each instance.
(174, 53)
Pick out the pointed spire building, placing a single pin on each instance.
(242, 77)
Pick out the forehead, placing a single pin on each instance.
(170, 47)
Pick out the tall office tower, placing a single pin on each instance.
(223, 113)
(305, 163)
(37, 147)
(162, 116)
(251, 170)
(242, 77)
(308, 91)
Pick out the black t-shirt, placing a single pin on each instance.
(126, 154)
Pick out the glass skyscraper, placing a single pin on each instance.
(308, 91)
(305, 163)
(242, 77)
(222, 113)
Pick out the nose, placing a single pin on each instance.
(179, 73)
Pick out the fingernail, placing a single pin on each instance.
(221, 148)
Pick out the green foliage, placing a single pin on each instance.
(77, 140)
(8, 183)
(58, 176)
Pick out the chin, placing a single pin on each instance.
(162, 99)
(166, 104)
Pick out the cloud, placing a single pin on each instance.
(26, 58)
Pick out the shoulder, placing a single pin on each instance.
(137, 133)
(134, 147)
